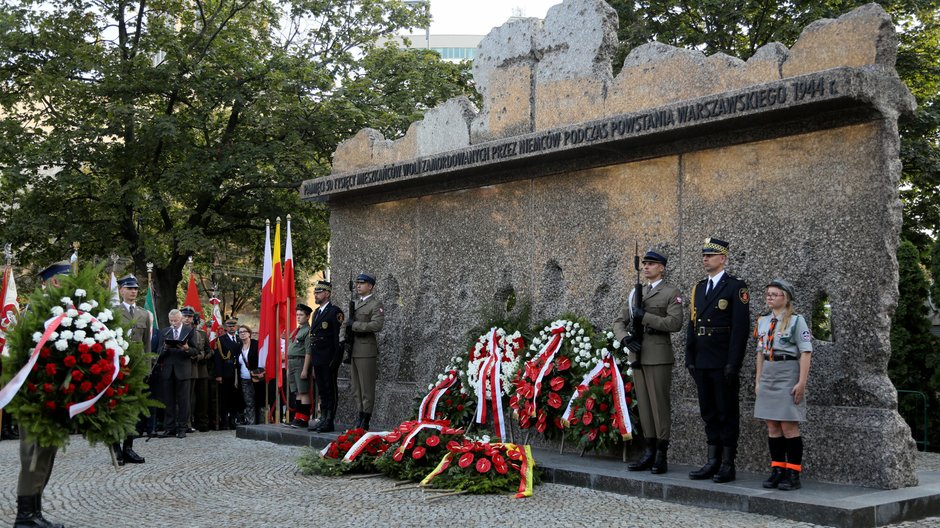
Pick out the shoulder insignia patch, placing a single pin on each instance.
(806, 336)
(340, 317)
(382, 310)
(679, 299)
(744, 295)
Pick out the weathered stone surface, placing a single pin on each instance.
(862, 37)
(357, 151)
(656, 74)
(446, 127)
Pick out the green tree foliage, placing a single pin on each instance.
(915, 352)
(165, 129)
(935, 273)
(739, 27)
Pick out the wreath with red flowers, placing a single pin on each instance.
(454, 403)
(416, 448)
(595, 423)
(81, 354)
(538, 403)
(331, 460)
(478, 467)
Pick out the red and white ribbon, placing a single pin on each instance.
(428, 408)
(356, 448)
(492, 370)
(10, 390)
(621, 411)
(408, 439)
(548, 355)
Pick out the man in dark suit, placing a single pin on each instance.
(715, 345)
(178, 343)
(325, 353)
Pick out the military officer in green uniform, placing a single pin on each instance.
(368, 319)
(140, 332)
(715, 345)
(298, 365)
(660, 313)
(36, 461)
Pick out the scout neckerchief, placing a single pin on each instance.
(769, 338)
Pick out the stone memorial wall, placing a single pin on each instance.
(791, 156)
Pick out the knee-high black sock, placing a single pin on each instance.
(778, 450)
(795, 452)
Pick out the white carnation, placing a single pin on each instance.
(66, 301)
(61, 344)
(57, 311)
(580, 331)
(84, 307)
(93, 303)
(610, 335)
(37, 337)
(80, 323)
(616, 344)
(89, 341)
(71, 312)
(65, 322)
(79, 336)
(66, 335)
(80, 292)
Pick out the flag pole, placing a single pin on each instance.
(277, 341)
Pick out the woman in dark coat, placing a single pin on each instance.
(248, 364)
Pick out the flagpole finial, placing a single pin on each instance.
(149, 268)
(279, 219)
(267, 222)
(8, 253)
(288, 217)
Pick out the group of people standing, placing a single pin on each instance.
(716, 343)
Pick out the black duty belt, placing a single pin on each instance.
(780, 357)
(712, 330)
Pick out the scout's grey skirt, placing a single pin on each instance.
(774, 401)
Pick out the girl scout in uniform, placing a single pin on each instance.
(783, 356)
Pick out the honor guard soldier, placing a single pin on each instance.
(36, 461)
(715, 346)
(298, 365)
(140, 333)
(660, 313)
(367, 320)
(325, 353)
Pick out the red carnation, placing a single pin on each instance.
(96, 347)
(45, 352)
(345, 446)
(342, 438)
(86, 358)
(603, 428)
(433, 441)
(448, 401)
(417, 453)
(587, 417)
(628, 387)
(50, 405)
(554, 400)
(120, 375)
(85, 386)
(109, 392)
(465, 460)
(50, 369)
(91, 410)
(83, 348)
(77, 375)
(69, 361)
(48, 388)
(460, 407)
(483, 465)
(95, 369)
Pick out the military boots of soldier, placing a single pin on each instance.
(29, 513)
(645, 461)
(726, 473)
(711, 465)
(324, 424)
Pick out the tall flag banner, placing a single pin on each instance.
(149, 306)
(9, 308)
(192, 296)
(215, 325)
(115, 296)
(279, 304)
(290, 288)
(266, 324)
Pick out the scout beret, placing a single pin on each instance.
(783, 285)
(364, 277)
(304, 308)
(323, 285)
(128, 281)
(59, 268)
(713, 246)
(652, 256)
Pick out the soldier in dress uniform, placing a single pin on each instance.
(199, 393)
(226, 363)
(140, 332)
(368, 319)
(715, 346)
(660, 314)
(325, 353)
(298, 366)
(36, 461)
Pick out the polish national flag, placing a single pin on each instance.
(266, 324)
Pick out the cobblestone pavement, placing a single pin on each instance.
(214, 479)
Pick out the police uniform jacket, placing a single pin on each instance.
(140, 325)
(324, 336)
(663, 305)
(720, 324)
(177, 360)
(203, 352)
(369, 319)
(229, 347)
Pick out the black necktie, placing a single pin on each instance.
(708, 290)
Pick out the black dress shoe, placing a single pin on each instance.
(181, 434)
(118, 454)
(190, 430)
(131, 457)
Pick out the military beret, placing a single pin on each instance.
(365, 277)
(128, 281)
(652, 256)
(304, 308)
(322, 286)
(188, 311)
(59, 268)
(783, 285)
(713, 246)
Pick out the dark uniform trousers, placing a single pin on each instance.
(716, 342)
(35, 466)
(326, 354)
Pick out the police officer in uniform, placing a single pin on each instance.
(660, 314)
(298, 365)
(715, 346)
(36, 461)
(140, 332)
(226, 365)
(368, 319)
(325, 353)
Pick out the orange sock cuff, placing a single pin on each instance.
(795, 467)
(783, 465)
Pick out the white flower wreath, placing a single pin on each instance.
(510, 348)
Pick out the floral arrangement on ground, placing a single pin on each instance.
(481, 467)
(354, 451)
(415, 448)
(82, 374)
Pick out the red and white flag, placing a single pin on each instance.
(9, 307)
(276, 353)
(266, 324)
(290, 288)
(192, 296)
(215, 325)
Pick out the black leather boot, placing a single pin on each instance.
(791, 481)
(660, 465)
(326, 424)
(359, 420)
(726, 472)
(710, 467)
(130, 456)
(29, 513)
(776, 475)
(118, 453)
(646, 459)
(365, 420)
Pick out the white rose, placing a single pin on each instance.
(57, 311)
(616, 344)
(61, 344)
(610, 335)
(629, 371)
(431, 387)
(37, 337)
